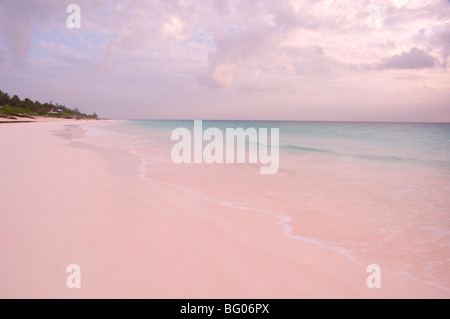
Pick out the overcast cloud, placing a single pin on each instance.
(232, 59)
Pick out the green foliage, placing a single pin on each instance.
(16, 107)
(10, 110)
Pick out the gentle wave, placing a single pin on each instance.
(370, 157)
(284, 222)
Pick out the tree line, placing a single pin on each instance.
(14, 106)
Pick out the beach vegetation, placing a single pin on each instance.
(14, 106)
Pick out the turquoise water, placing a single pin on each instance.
(429, 143)
(372, 192)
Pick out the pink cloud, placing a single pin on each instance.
(413, 59)
(312, 55)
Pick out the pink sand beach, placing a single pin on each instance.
(66, 203)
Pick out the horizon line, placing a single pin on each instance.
(293, 121)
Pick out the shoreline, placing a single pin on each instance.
(87, 206)
(41, 119)
(12, 122)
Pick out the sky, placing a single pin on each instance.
(311, 60)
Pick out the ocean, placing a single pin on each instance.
(376, 193)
